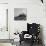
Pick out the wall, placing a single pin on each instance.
(3, 1)
(35, 13)
(3, 21)
(4, 34)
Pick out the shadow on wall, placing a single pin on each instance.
(41, 34)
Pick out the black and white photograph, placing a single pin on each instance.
(20, 14)
(22, 22)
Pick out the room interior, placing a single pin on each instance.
(35, 13)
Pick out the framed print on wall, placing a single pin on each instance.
(20, 13)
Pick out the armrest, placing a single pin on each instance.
(22, 35)
(24, 32)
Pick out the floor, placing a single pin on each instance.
(5, 44)
(27, 44)
(9, 44)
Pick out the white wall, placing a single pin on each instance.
(3, 1)
(3, 21)
(4, 34)
(35, 13)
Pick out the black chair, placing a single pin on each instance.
(32, 29)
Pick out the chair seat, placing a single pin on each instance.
(27, 36)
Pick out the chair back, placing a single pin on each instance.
(33, 28)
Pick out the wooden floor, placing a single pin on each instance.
(27, 44)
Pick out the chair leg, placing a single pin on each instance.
(20, 42)
(32, 42)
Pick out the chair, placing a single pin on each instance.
(33, 30)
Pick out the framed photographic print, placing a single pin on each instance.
(20, 13)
